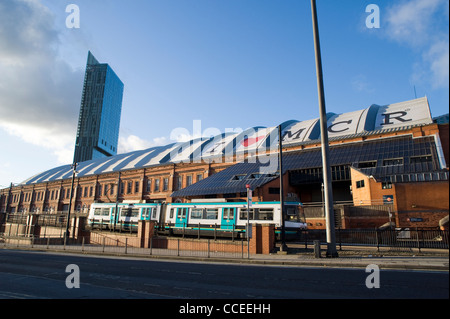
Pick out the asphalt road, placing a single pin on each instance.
(35, 275)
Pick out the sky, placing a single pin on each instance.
(194, 65)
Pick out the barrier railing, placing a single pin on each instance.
(406, 238)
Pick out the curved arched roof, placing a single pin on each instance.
(252, 140)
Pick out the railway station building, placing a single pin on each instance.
(389, 168)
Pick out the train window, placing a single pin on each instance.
(265, 214)
(171, 212)
(291, 211)
(197, 213)
(243, 214)
(105, 212)
(212, 213)
(257, 214)
(182, 213)
(292, 214)
(130, 212)
(228, 213)
(154, 212)
(97, 211)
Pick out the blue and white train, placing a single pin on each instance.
(205, 219)
(103, 215)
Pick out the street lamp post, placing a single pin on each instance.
(283, 247)
(249, 200)
(67, 234)
(328, 191)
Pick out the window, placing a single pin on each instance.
(360, 184)
(149, 185)
(179, 182)
(386, 185)
(264, 214)
(212, 213)
(130, 212)
(199, 177)
(243, 214)
(367, 164)
(136, 187)
(292, 214)
(257, 214)
(197, 213)
(165, 184)
(181, 213)
(157, 185)
(146, 212)
(421, 159)
(238, 177)
(188, 180)
(129, 186)
(393, 161)
(228, 213)
(255, 176)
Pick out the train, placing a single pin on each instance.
(203, 219)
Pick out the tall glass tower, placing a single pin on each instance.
(101, 107)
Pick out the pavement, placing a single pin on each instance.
(348, 257)
(423, 263)
(429, 261)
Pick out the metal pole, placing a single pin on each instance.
(67, 234)
(328, 191)
(283, 246)
(117, 203)
(248, 222)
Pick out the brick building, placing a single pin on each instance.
(389, 164)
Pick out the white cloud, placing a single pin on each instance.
(39, 93)
(422, 25)
(59, 143)
(438, 59)
(411, 21)
(134, 143)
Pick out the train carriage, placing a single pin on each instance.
(229, 219)
(103, 215)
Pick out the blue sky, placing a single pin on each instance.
(229, 63)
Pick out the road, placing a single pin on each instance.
(36, 275)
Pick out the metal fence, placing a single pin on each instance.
(399, 239)
(157, 246)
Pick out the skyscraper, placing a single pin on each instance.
(101, 107)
